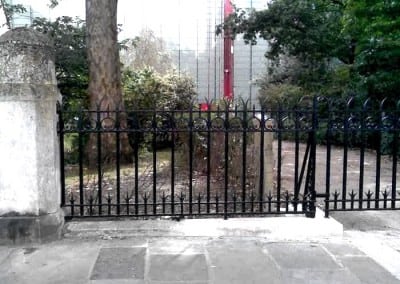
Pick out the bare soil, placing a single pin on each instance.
(338, 172)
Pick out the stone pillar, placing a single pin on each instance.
(268, 155)
(29, 153)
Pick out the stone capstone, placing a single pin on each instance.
(26, 56)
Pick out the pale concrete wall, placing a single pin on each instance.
(29, 152)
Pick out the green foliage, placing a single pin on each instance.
(273, 95)
(375, 26)
(306, 29)
(306, 47)
(72, 72)
(146, 90)
(326, 47)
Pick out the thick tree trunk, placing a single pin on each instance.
(103, 54)
(105, 91)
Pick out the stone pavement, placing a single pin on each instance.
(202, 251)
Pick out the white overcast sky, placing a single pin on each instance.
(164, 17)
(183, 21)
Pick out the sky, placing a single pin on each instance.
(172, 19)
(183, 21)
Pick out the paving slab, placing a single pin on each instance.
(302, 256)
(379, 246)
(235, 261)
(118, 281)
(176, 246)
(343, 249)
(119, 263)
(177, 267)
(368, 271)
(52, 263)
(330, 276)
(4, 253)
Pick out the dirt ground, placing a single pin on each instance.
(340, 178)
(352, 172)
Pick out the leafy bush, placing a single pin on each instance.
(146, 92)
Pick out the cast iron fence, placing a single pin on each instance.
(229, 161)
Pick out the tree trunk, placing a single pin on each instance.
(105, 91)
(103, 54)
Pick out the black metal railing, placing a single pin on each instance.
(367, 134)
(230, 161)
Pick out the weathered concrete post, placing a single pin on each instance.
(29, 160)
(268, 155)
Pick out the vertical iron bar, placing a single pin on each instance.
(244, 159)
(328, 161)
(234, 203)
(345, 152)
(99, 154)
(72, 207)
(80, 150)
(369, 196)
(385, 195)
(109, 204)
(173, 164)
(154, 146)
(352, 196)
(127, 204)
(279, 182)
(145, 199)
(209, 124)
(313, 155)
(226, 161)
(62, 157)
(118, 160)
(181, 199)
(199, 204)
(296, 159)
(378, 159)
(190, 160)
(394, 165)
(362, 160)
(310, 191)
(136, 157)
(335, 198)
(269, 201)
(261, 184)
(163, 203)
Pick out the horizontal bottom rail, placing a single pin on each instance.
(187, 209)
(179, 216)
(362, 209)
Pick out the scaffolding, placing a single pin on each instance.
(196, 50)
(24, 19)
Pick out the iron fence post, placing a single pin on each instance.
(60, 129)
(310, 184)
(226, 160)
(99, 158)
